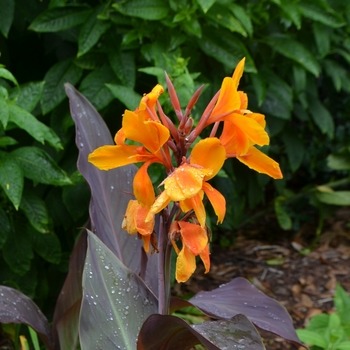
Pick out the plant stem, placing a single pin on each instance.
(161, 267)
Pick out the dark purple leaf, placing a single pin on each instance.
(110, 190)
(15, 307)
(66, 316)
(116, 301)
(241, 297)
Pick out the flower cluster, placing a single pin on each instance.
(157, 140)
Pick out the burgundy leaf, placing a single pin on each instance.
(66, 316)
(15, 307)
(110, 190)
(240, 297)
(165, 332)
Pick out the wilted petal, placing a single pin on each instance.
(261, 163)
(129, 223)
(217, 200)
(209, 153)
(185, 265)
(160, 203)
(143, 187)
(205, 258)
(193, 236)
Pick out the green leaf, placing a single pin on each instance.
(322, 35)
(321, 116)
(243, 17)
(292, 11)
(283, 218)
(90, 60)
(95, 89)
(7, 141)
(339, 161)
(193, 27)
(11, 178)
(57, 3)
(6, 74)
(59, 74)
(336, 72)
(334, 198)
(126, 95)
(4, 112)
(220, 15)
(146, 9)
(225, 48)
(294, 50)
(6, 16)
(206, 4)
(259, 85)
(33, 127)
(312, 10)
(46, 245)
(294, 148)
(299, 78)
(60, 18)
(91, 31)
(28, 95)
(123, 65)
(18, 251)
(38, 166)
(345, 345)
(6, 228)
(34, 209)
(313, 338)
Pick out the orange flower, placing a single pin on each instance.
(188, 183)
(194, 242)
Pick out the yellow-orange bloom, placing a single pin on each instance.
(188, 183)
(194, 242)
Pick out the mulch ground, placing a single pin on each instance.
(271, 259)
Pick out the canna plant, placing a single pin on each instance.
(117, 292)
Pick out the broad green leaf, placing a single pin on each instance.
(6, 228)
(283, 218)
(294, 148)
(91, 31)
(292, 11)
(226, 48)
(311, 337)
(6, 74)
(46, 245)
(4, 112)
(206, 4)
(259, 85)
(334, 198)
(113, 295)
(322, 34)
(6, 16)
(95, 89)
(243, 17)
(336, 72)
(59, 74)
(7, 141)
(220, 15)
(126, 95)
(321, 116)
(339, 161)
(35, 210)
(123, 65)
(91, 60)
(60, 18)
(38, 166)
(33, 127)
(18, 251)
(294, 50)
(11, 178)
(146, 9)
(345, 345)
(28, 95)
(311, 10)
(57, 3)
(299, 78)
(193, 27)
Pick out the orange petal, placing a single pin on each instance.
(228, 101)
(210, 154)
(261, 163)
(217, 200)
(237, 74)
(128, 223)
(151, 134)
(109, 157)
(119, 137)
(244, 100)
(205, 258)
(149, 101)
(146, 242)
(193, 236)
(197, 205)
(250, 127)
(160, 203)
(234, 140)
(185, 265)
(185, 182)
(143, 228)
(260, 118)
(143, 187)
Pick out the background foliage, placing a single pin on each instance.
(297, 73)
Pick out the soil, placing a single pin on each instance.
(272, 260)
